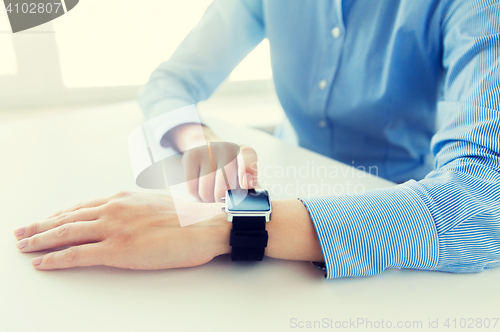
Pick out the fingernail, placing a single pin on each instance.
(21, 244)
(36, 261)
(20, 231)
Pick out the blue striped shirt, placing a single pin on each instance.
(374, 84)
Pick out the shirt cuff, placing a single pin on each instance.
(363, 234)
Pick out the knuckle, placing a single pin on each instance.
(97, 228)
(58, 223)
(61, 220)
(49, 259)
(62, 231)
(121, 240)
(114, 206)
(58, 212)
(248, 157)
(62, 216)
(34, 241)
(122, 194)
(70, 255)
(247, 149)
(33, 228)
(77, 207)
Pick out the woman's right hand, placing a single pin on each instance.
(238, 162)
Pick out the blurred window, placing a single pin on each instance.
(104, 51)
(97, 50)
(8, 64)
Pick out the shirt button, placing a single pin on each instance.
(336, 32)
(322, 123)
(322, 84)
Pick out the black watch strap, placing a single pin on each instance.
(248, 238)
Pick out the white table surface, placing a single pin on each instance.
(50, 161)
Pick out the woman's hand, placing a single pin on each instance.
(127, 230)
(239, 163)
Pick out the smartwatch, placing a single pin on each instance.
(249, 211)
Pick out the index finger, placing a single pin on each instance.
(247, 167)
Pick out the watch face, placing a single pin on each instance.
(240, 200)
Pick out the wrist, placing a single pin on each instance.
(291, 233)
(219, 230)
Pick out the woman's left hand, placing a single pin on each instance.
(127, 230)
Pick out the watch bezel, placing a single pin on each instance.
(231, 214)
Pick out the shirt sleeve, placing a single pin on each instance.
(450, 220)
(227, 32)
